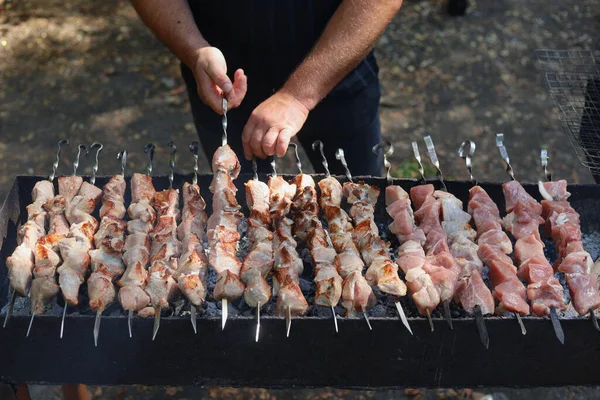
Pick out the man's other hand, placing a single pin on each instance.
(210, 72)
(272, 124)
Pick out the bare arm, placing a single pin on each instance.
(346, 40)
(173, 24)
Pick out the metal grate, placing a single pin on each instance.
(573, 79)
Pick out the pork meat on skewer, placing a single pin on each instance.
(136, 256)
(287, 263)
(106, 258)
(309, 230)
(258, 263)
(563, 226)
(222, 229)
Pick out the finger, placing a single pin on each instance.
(256, 138)
(240, 87)
(208, 93)
(218, 74)
(246, 133)
(269, 141)
(283, 141)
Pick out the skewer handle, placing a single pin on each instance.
(320, 145)
(434, 159)
(466, 152)
(544, 157)
(149, 149)
(386, 153)
(417, 154)
(76, 162)
(194, 150)
(224, 121)
(504, 154)
(172, 163)
(123, 157)
(339, 154)
(55, 165)
(99, 146)
(298, 162)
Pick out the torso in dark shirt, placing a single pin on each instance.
(269, 38)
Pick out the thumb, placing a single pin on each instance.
(218, 74)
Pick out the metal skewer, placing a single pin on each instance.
(339, 154)
(75, 166)
(13, 296)
(122, 155)
(417, 154)
(388, 166)
(148, 149)
(255, 177)
(299, 165)
(318, 143)
(434, 160)
(224, 121)
(157, 307)
(560, 335)
(544, 157)
(99, 146)
(466, 152)
(194, 150)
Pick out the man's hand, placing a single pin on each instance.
(210, 71)
(272, 124)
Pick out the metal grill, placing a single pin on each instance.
(573, 79)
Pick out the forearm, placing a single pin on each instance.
(172, 23)
(346, 40)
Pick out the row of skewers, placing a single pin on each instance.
(162, 251)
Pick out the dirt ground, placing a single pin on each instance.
(90, 71)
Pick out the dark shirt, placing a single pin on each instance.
(268, 39)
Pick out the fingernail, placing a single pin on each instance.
(227, 87)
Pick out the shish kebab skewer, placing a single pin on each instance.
(523, 219)
(44, 286)
(165, 249)
(21, 263)
(193, 263)
(106, 259)
(310, 231)
(428, 211)
(287, 262)
(258, 263)
(74, 249)
(494, 246)
(357, 294)
(419, 272)
(222, 226)
(136, 256)
(471, 292)
(382, 272)
(563, 226)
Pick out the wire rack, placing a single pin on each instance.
(573, 79)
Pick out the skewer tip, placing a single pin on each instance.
(430, 320)
(193, 318)
(30, 324)
(447, 314)
(560, 334)
(97, 327)
(288, 321)
(156, 322)
(257, 322)
(224, 312)
(367, 319)
(520, 321)
(403, 317)
(335, 322)
(483, 333)
(129, 318)
(62, 322)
